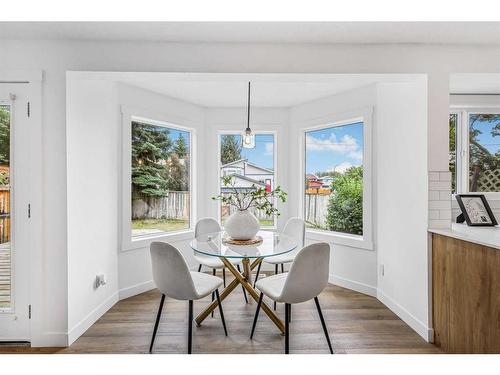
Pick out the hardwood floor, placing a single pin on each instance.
(357, 324)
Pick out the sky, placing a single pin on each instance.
(336, 148)
(492, 144)
(262, 154)
(174, 134)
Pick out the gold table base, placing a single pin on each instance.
(245, 280)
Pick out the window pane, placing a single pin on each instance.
(250, 167)
(5, 224)
(453, 150)
(160, 179)
(334, 179)
(484, 152)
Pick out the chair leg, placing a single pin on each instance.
(257, 275)
(220, 310)
(287, 328)
(256, 315)
(242, 287)
(290, 313)
(282, 268)
(199, 268)
(213, 293)
(158, 316)
(190, 326)
(323, 324)
(224, 276)
(275, 272)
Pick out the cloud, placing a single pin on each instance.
(269, 148)
(345, 145)
(341, 168)
(356, 155)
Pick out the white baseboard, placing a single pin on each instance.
(135, 289)
(353, 285)
(80, 328)
(418, 326)
(50, 339)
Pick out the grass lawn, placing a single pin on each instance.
(164, 225)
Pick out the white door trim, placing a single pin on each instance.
(34, 79)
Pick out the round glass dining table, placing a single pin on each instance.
(216, 245)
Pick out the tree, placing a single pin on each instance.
(480, 158)
(452, 149)
(345, 205)
(178, 178)
(230, 149)
(150, 149)
(180, 147)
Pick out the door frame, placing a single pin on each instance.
(34, 80)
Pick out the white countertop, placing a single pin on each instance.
(486, 236)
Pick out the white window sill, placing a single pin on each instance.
(340, 239)
(141, 242)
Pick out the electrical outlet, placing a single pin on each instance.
(381, 270)
(99, 281)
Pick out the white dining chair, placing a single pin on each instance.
(172, 277)
(296, 228)
(307, 278)
(209, 225)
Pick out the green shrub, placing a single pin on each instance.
(345, 206)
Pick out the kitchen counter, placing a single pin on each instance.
(486, 236)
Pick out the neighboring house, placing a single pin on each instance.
(247, 174)
(326, 182)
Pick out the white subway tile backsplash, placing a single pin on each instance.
(445, 215)
(434, 195)
(439, 185)
(440, 199)
(439, 224)
(433, 176)
(445, 195)
(433, 214)
(445, 176)
(440, 205)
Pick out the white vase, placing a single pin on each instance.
(242, 225)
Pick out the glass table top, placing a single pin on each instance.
(212, 244)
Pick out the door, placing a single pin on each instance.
(14, 212)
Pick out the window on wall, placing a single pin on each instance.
(475, 151)
(333, 178)
(249, 168)
(160, 171)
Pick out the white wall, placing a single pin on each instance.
(92, 208)
(401, 196)
(134, 265)
(57, 57)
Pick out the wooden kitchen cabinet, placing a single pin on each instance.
(465, 296)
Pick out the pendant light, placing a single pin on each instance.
(248, 138)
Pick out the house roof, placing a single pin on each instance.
(256, 182)
(245, 161)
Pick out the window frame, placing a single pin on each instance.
(364, 115)
(130, 242)
(275, 164)
(462, 147)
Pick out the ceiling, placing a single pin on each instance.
(268, 90)
(260, 32)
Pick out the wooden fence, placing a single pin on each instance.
(174, 206)
(315, 209)
(4, 215)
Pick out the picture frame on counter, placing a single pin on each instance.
(476, 210)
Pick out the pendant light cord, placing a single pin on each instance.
(248, 109)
